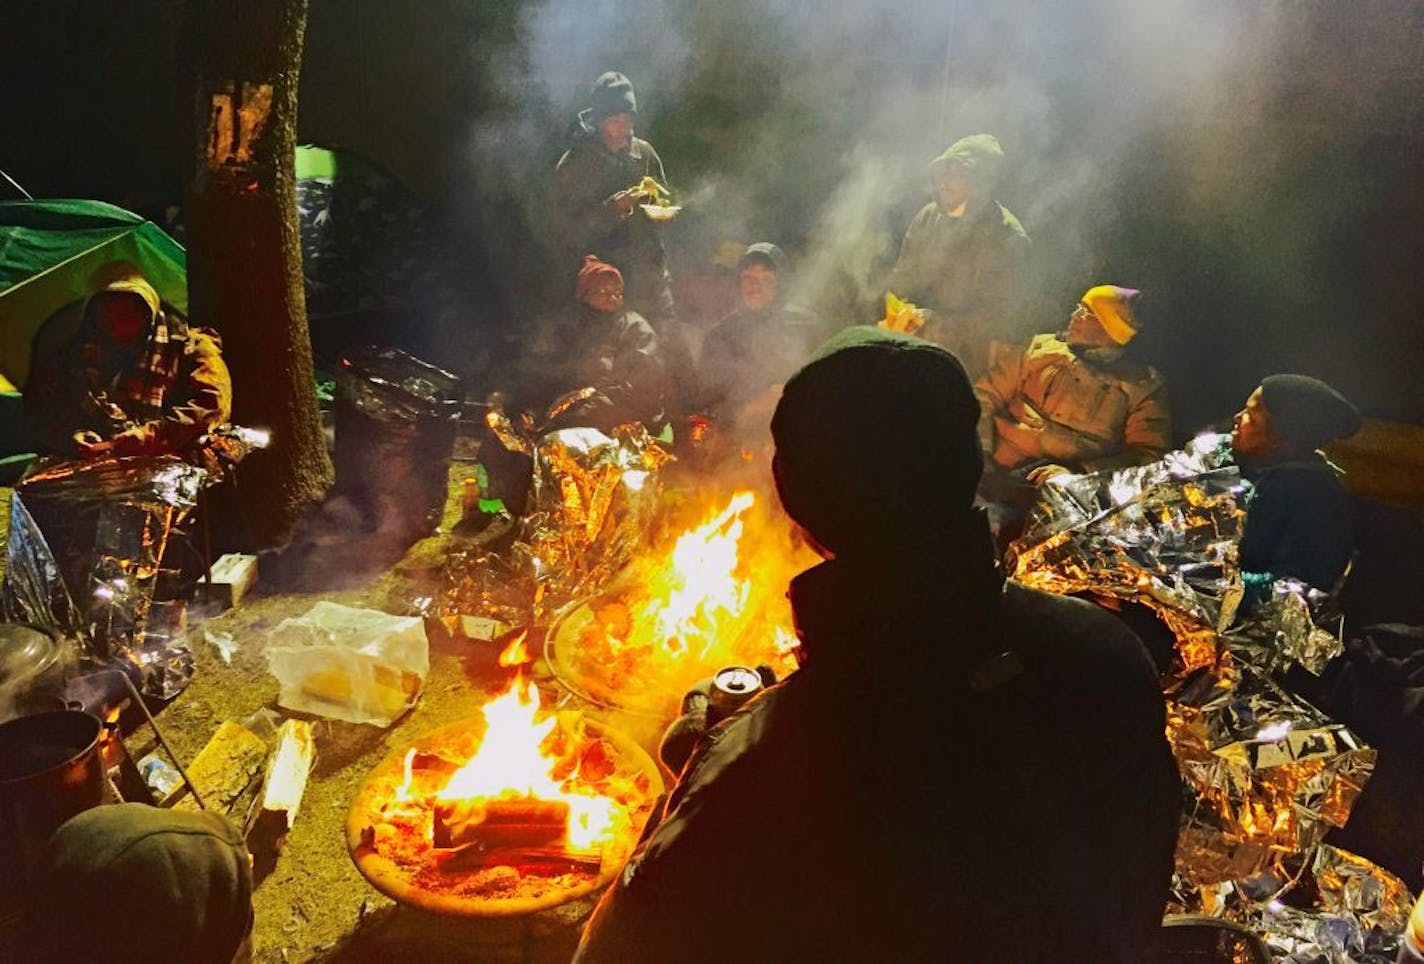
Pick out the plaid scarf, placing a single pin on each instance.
(127, 386)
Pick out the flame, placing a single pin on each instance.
(511, 762)
(403, 792)
(716, 598)
(516, 653)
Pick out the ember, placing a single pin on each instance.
(713, 599)
(514, 813)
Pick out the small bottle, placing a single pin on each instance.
(470, 496)
(1411, 945)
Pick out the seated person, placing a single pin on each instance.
(136, 379)
(751, 352)
(961, 768)
(604, 346)
(1070, 402)
(1299, 520)
(136, 883)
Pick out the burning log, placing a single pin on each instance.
(545, 860)
(503, 823)
(288, 772)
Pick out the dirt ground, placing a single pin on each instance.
(313, 905)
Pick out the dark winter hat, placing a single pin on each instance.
(1306, 412)
(612, 94)
(764, 253)
(144, 884)
(876, 442)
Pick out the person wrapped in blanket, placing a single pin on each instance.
(135, 379)
(1299, 519)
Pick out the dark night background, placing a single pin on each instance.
(1252, 166)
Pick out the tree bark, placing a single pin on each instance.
(244, 250)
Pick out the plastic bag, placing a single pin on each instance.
(357, 665)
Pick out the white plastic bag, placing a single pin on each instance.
(357, 665)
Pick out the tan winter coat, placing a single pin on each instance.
(1045, 404)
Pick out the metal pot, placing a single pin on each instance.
(29, 666)
(51, 768)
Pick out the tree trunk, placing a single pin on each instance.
(244, 250)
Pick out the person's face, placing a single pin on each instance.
(1251, 433)
(758, 286)
(952, 187)
(606, 294)
(1085, 331)
(122, 316)
(616, 130)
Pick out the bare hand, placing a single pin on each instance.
(1045, 473)
(625, 201)
(91, 446)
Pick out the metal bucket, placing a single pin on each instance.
(51, 768)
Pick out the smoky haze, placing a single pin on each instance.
(1210, 154)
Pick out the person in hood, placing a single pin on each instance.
(961, 769)
(962, 256)
(598, 207)
(130, 882)
(750, 353)
(136, 378)
(1299, 519)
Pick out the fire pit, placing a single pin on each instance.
(714, 598)
(504, 814)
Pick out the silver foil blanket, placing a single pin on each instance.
(593, 503)
(85, 556)
(1265, 774)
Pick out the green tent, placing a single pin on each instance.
(48, 252)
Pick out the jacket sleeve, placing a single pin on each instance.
(996, 388)
(202, 401)
(1147, 433)
(639, 369)
(1267, 519)
(584, 213)
(906, 278)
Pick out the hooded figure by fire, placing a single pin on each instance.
(960, 770)
(136, 379)
(963, 253)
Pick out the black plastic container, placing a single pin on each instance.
(395, 432)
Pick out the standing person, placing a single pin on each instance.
(1299, 519)
(962, 769)
(596, 192)
(751, 352)
(963, 254)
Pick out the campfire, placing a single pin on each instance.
(714, 597)
(512, 812)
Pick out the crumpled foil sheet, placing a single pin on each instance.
(1265, 773)
(593, 502)
(85, 557)
(34, 591)
(1360, 910)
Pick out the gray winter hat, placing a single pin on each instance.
(612, 94)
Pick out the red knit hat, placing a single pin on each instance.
(592, 270)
